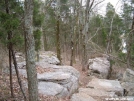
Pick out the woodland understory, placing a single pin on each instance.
(74, 29)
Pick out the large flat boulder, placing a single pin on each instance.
(73, 85)
(44, 65)
(54, 89)
(67, 79)
(106, 85)
(96, 92)
(49, 88)
(57, 77)
(81, 97)
(67, 69)
(55, 80)
(99, 65)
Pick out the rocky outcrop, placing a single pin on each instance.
(128, 82)
(54, 89)
(99, 89)
(66, 80)
(96, 92)
(56, 83)
(55, 80)
(68, 69)
(46, 58)
(129, 88)
(82, 97)
(49, 57)
(106, 85)
(58, 77)
(99, 65)
(128, 76)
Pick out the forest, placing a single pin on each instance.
(54, 50)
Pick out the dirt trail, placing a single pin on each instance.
(84, 79)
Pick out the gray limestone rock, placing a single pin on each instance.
(106, 85)
(96, 92)
(129, 88)
(99, 65)
(128, 76)
(82, 97)
(50, 88)
(56, 77)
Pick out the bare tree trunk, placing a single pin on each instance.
(65, 46)
(58, 31)
(89, 5)
(10, 67)
(58, 39)
(73, 46)
(42, 39)
(109, 47)
(72, 53)
(83, 53)
(17, 72)
(9, 49)
(38, 57)
(30, 52)
(130, 41)
(45, 41)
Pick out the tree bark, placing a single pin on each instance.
(45, 41)
(17, 72)
(73, 46)
(10, 66)
(85, 33)
(129, 46)
(9, 49)
(30, 52)
(58, 39)
(109, 46)
(58, 31)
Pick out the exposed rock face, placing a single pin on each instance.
(99, 89)
(67, 80)
(22, 65)
(58, 77)
(57, 83)
(55, 80)
(99, 65)
(82, 97)
(54, 89)
(106, 85)
(128, 76)
(68, 69)
(128, 82)
(119, 76)
(129, 88)
(96, 92)
(49, 57)
(44, 64)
